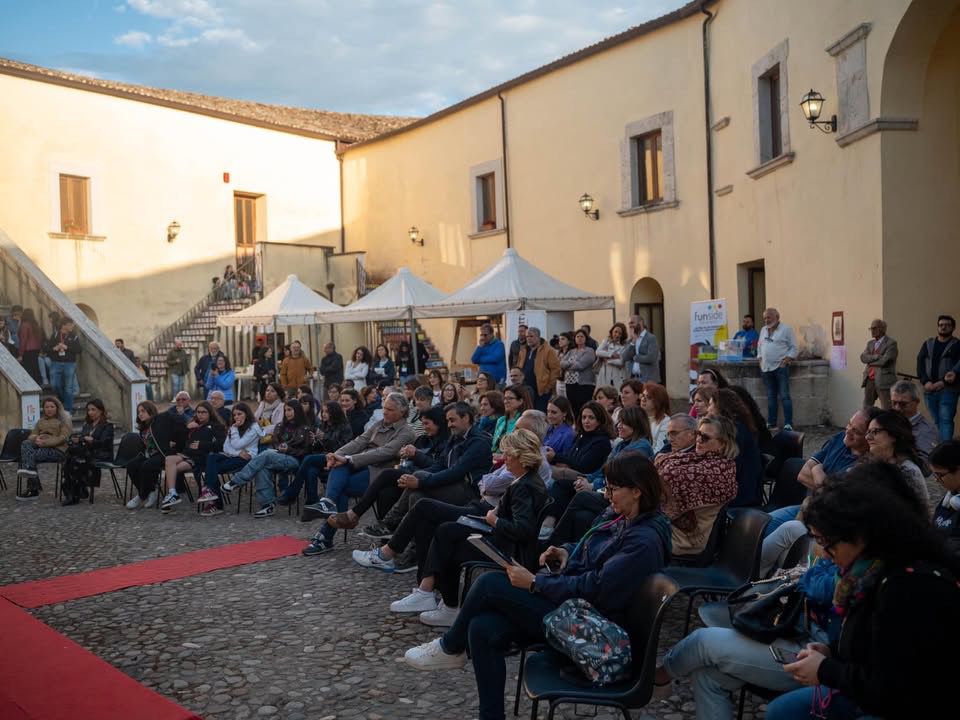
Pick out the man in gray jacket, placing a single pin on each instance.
(642, 355)
(880, 366)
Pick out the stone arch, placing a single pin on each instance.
(89, 312)
(646, 300)
(905, 63)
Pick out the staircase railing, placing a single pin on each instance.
(177, 327)
(102, 369)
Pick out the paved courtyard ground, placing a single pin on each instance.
(291, 638)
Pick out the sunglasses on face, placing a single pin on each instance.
(703, 437)
(822, 542)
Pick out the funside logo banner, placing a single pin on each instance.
(708, 322)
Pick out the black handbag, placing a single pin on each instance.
(766, 616)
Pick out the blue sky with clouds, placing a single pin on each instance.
(402, 57)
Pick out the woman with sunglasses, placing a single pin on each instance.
(699, 483)
(897, 598)
(891, 440)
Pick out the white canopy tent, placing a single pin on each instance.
(290, 303)
(513, 283)
(399, 298)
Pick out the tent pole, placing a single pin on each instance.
(413, 341)
(276, 355)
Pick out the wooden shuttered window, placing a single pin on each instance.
(75, 205)
(649, 169)
(487, 196)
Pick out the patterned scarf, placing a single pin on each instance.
(855, 583)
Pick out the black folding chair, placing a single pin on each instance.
(738, 560)
(709, 552)
(787, 489)
(11, 450)
(788, 444)
(129, 447)
(546, 681)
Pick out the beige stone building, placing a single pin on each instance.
(735, 198)
(686, 131)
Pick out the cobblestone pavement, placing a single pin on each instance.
(293, 638)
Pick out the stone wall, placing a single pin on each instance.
(809, 387)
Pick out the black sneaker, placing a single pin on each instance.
(377, 531)
(406, 561)
(317, 546)
(29, 494)
(265, 512)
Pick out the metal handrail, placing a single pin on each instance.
(198, 308)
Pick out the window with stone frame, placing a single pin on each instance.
(647, 174)
(771, 136)
(771, 111)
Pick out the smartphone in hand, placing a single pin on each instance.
(783, 657)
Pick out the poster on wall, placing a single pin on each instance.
(708, 328)
(29, 410)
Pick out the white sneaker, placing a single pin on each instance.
(151, 500)
(134, 503)
(372, 559)
(416, 602)
(443, 616)
(431, 656)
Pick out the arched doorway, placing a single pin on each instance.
(646, 300)
(88, 311)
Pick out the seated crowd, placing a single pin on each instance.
(589, 492)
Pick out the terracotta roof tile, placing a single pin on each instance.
(347, 127)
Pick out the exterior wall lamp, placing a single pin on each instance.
(173, 229)
(414, 234)
(586, 204)
(812, 106)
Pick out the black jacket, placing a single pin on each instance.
(892, 657)
(358, 420)
(589, 452)
(468, 457)
(102, 447)
(333, 437)
(71, 340)
(331, 368)
(431, 452)
(516, 530)
(296, 437)
(169, 432)
(749, 469)
(209, 439)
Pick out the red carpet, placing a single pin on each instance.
(45, 676)
(38, 593)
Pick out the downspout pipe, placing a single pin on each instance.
(711, 232)
(343, 229)
(506, 172)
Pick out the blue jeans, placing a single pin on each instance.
(176, 384)
(720, 661)
(310, 468)
(943, 407)
(779, 517)
(778, 383)
(796, 705)
(261, 469)
(43, 363)
(494, 615)
(343, 483)
(62, 378)
(219, 463)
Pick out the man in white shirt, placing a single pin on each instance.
(776, 349)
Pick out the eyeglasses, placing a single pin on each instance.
(703, 437)
(941, 475)
(872, 432)
(609, 489)
(822, 542)
(901, 403)
(674, 433)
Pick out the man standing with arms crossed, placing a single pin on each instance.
(776, 349)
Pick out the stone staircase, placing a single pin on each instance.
(195, 329)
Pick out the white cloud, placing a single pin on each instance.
(133, 39)
(409, 57)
